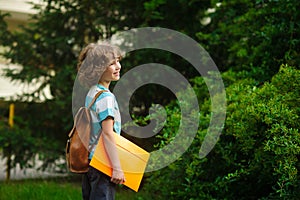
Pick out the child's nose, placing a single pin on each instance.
(118, 64)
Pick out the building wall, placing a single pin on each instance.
(20, 11)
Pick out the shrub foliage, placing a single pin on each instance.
(257, 154)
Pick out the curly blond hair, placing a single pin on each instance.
(94, 60)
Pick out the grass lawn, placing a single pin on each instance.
(54, 189)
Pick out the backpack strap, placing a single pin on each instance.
(96, 96)
(75, 118)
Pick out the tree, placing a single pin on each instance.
(14, 139)
(256, 36)
(47, 49)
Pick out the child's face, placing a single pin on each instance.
(112, 73)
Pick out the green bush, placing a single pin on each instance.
(257, 154)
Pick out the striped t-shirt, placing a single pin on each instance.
(104, 106)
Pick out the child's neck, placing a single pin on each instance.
(105, 83)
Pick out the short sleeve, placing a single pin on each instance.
(105, 107)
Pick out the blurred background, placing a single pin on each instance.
(254, 44)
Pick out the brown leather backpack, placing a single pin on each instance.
(77, 147)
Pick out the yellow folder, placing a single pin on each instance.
(133, 160)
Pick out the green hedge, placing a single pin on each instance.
(257, 154)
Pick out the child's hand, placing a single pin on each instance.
(117, 177)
